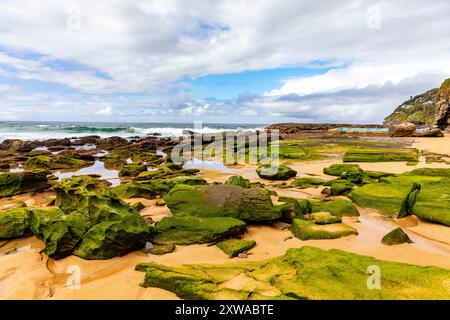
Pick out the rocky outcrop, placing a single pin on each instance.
(431, 133)
(442, 101)
(402, 130)
(21, 182)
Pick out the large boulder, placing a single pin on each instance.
(17, 145)
(253, 204)
(192, 230)
(402, 130)
(269, 172)
(431, 133)
(442, 101)
(21, 182)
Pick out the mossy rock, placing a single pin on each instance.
(308, 182)
(301, 273)
(193, 230)
(378, 174)
(160, 249)
(141, 156)
(22, 182)
(340, 187)
(109, 239)
(307, 230)
(358, 154)
(269, 172)
(252, 204)
(339, 169)
(233, 247)
(132, 170)
(151, 188)
(325, 218)
(239, 181)
(14, 223)
(337, 208)
(114, 161)
(396, 236)
(55, 162)
(166, 172)
(401, 195)
(292, 209)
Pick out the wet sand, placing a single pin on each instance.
(28, 274)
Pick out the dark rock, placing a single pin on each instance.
(396, 236)
(22, 182)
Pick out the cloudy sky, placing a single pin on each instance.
(237, 61)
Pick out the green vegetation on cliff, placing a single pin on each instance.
(419, 108)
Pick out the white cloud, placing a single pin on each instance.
(149, 47)
(105, 111)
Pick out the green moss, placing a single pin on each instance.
(325, 218)
(138, 206)
(340, 187)
(305, 273)
(358, 154)
(307, 230)
(239, 181)
(269, 172)
(233, 247)
(160, 249)
(21, 182)
(191, 230)
(396, 236)
(308, 182)
(398, 196)
(55, 162)
(149, 157)
(132, 170)
(339, 169)
(149, 189)
(338, 207)
(115, 161)
(252, 204)
(14, 223)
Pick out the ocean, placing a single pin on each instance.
(46, 130)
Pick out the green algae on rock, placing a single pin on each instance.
(91, 222)
(340, 186)
(339, 169)
(358, 154)
(160, 249)
(254, 204)
(304, 273)
(338, 207)
(396, 236)
(270, 172)
(233, 247)
(149, 189)
(14, 183)
(400, 195)
(308, 182)
(192, 230)
(14, 223)
(307, 230)
(132, 170)
(55, 162)
(239, 181)
(325, 218)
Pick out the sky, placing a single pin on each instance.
(229, 61)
